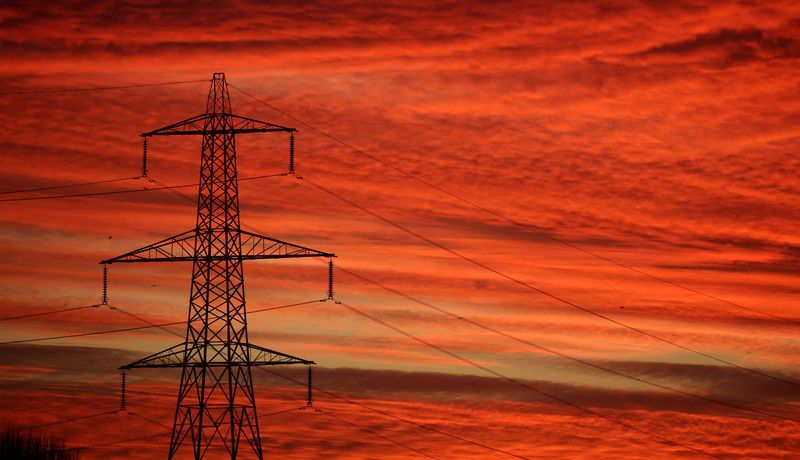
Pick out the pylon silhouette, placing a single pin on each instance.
(216, 403)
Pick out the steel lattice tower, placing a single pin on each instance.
(216, 404)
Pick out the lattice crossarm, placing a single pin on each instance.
(242, 125)
(171, 357)
(178, 248)
(193, 125)
(260, 356)
(197, 126)
(256, 246)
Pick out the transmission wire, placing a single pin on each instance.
(136, 328)
(79, 184)
(120, 441)
(527, 227)
(367, 430)
(140, 438)
(564, 355)
(404, 420)
(68, 420)
(97, 88)
(542, 291)
(49, 312)
(549, 350)
(555, 352)
(139, 318)
(117, 192)
(553, 397)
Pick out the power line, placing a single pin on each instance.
(287, 306)
(96, 88)
(137, 328)
(549, 350)
(117, 192)
(374, 433)
(344, 399)
(275, 413)
(49, 312)
(92, 194)
(149, 420)
(189, 199)
(121, 441)
(139, 318)
(79, 184)
(546, 394)
(284, 411)
(667, 388)
(87, 334)
(497, 374)
(542, 291)
(69, 420)
(553, 351)
(175, 192)
(564, 355)
(404, 420)
(527, 227)
(163, 433)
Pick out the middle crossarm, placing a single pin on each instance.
(180, 248)
(197, 126)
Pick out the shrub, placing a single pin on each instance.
(19, 444)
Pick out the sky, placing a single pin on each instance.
(638, 161)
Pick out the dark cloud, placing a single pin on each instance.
(787, 263)
(72, 367)
(737, 46)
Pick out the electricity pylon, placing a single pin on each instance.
(216, 403)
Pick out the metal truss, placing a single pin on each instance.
(179, 356)
(180, 248)
(216, 404)
(200, 125)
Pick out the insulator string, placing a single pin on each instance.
(122, 404)
(104, 299)
(144, 158)
(330, 279)
(309, 386)
(291, 153)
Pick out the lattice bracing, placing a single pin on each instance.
(179, 356)
(180, 248)
(216, 405)
(198, 125)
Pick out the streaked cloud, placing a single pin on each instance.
(660, 135)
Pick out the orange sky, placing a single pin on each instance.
(662, 137)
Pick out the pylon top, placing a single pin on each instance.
(217, 108)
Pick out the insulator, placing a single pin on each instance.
(330, 278)
(122, 404)
(104, 299)
(291, 153)
(309, 397)
(144, 158)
